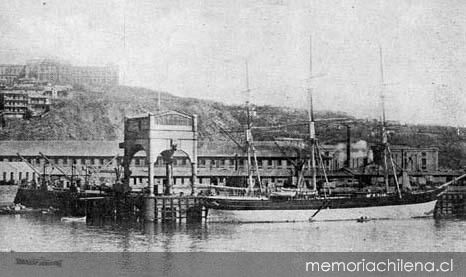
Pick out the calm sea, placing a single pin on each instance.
(48, 233)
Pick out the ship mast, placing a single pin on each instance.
(384, 131)
(312, 132)
(251, 153)
(386, 148)
(314, 145)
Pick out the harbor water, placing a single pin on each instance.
(49, 233)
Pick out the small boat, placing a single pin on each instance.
(17, 209)
(363, 219)
(50, 210)
(73, 219)
(38, 261)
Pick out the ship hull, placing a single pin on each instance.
(321, 209)
(326, 214)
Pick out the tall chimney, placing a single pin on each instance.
(348, 146)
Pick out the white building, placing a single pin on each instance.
(16, 172)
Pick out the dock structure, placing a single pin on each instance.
(159, 135)
(179, 209)
(452, 203)
(170, 208)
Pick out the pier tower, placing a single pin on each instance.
(159, 135)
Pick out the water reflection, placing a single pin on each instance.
(48, 233)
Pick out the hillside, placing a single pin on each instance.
(99, 115)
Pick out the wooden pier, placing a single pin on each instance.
(167, 208)
(452, 203)
(179, 209)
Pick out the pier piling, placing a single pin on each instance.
(149, 209)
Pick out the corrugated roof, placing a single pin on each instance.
(60, 148)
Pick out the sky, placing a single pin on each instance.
(200, 49)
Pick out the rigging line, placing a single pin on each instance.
(385, 167)
(281, 126)
(228, 135)
(324, 205)
(300, 183)
(394, 172)
(397, 165)
(285, 154)
(298, 123)
(256, 167)
(323, 168)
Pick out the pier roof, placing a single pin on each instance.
(97, 148)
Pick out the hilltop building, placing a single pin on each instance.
(19, 104)
(10, 73)
(28, 99)
(13, 103)
(59, 73)
(55, 72)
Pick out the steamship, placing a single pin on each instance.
(291, 208)
(312, 204)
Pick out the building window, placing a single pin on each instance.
(263, 163)
(424, 164)
(202, 162)
(4, 176)
(12, 176)
(27, 176)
